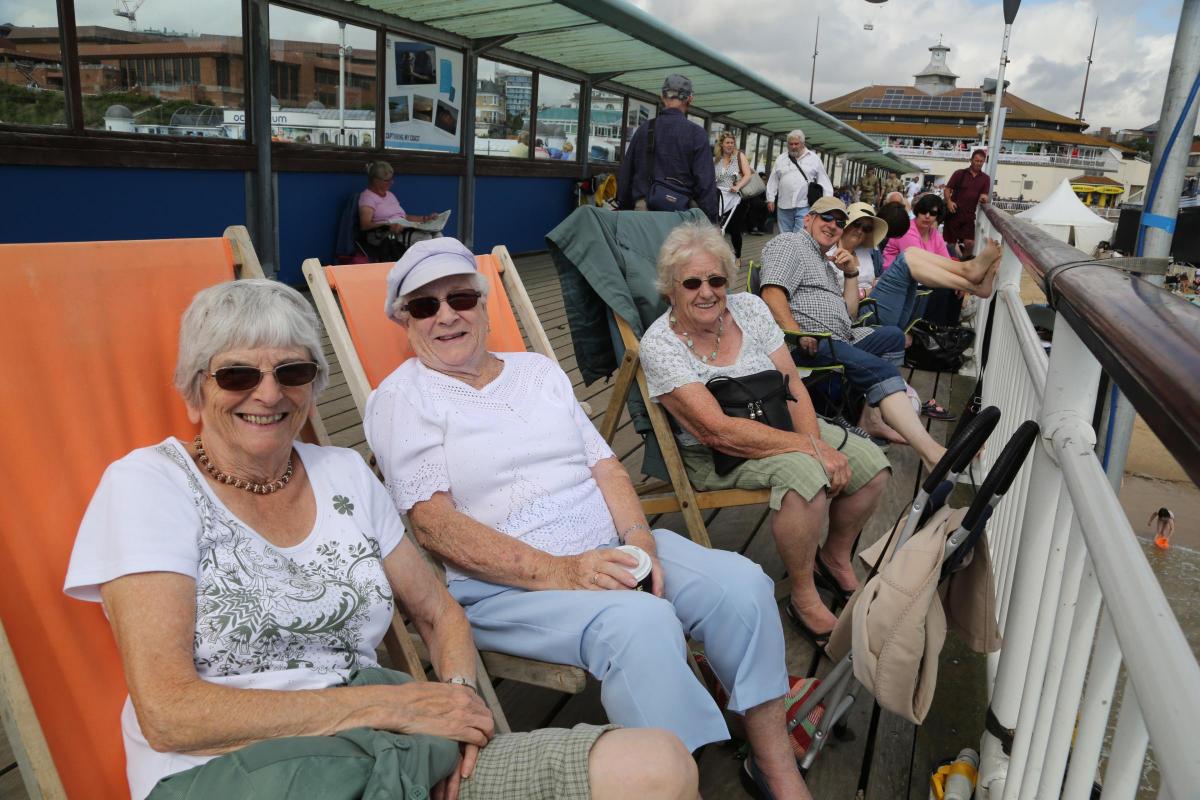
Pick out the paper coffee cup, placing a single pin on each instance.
(642, 570)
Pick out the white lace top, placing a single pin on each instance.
(515, 455)
(726, 176)
(669, 365)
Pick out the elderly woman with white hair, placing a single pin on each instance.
(249, 579)
(506, 480)
(381, 217)
(813, 470)
(793, 183)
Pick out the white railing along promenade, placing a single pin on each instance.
(1077, 599)
(1042, 159)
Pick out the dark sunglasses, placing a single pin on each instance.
(715, 281)
(243, 379)
(426, 307)
(834, 218)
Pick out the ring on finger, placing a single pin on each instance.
(596, 577)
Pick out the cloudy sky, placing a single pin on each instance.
(774, 38)
(1047, 53)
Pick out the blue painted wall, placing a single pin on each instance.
(85, 204)
(519, 212)
(311, 204)
(103, 203)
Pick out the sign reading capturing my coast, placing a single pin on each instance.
(423, 87)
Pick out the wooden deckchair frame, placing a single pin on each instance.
(559, 677)
(682, 497)
(17, 711)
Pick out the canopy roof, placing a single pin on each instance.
(614, 43)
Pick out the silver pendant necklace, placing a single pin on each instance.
(691, 346)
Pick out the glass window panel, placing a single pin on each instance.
(639, 113)
(170, 67)
(698, 120)
(752, 151)
(31, 78)
(557, 119)
(423, 93)
(316, 95)
(715, 130)
(604, 140)
(509, 137)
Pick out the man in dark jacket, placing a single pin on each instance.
(682, 164)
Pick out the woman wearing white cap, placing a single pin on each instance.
(505, 479)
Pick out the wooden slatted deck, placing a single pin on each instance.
(887, 756)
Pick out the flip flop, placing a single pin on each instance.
(817, 640)
(753, 781)
(823, 576)
(932, 410)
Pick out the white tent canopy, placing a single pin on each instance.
(1066, 218)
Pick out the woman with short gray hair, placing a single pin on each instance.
(380, 215)
(812, 471)
(249, 579)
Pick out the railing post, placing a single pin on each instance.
(1069, 395)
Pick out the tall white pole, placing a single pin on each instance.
(812, 79)
(993, 160)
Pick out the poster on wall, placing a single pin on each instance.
(423, 86)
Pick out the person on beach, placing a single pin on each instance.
(1165, 526)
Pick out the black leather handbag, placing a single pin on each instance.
(762, 397)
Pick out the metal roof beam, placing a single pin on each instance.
(481, 46)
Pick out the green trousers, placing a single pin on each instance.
(358, 763)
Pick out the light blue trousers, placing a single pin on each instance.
(791, 219)
(635, 643)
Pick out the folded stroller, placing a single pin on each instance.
(926, 575)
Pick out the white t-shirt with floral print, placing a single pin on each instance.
(267, 617)
(668, 364)
(515, 455)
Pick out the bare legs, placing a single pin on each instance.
(975, 276)
(766, 728)
(847, 516)
(646, 762)
(796, 527)
(898, 412)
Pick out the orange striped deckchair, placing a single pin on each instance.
(88, 334)
(369, 347)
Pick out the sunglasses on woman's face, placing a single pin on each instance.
(426, 307)
(930, 212)
(243, 378)
(715, 281)
(834, 218)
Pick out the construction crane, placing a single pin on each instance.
(128, 10)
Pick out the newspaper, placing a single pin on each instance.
(434, 225)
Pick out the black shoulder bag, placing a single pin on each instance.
(661, 195)
(815, 190)
(762, 397)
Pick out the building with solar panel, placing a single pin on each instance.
(936, 124)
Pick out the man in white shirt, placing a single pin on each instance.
(914, 188)
(787, 187)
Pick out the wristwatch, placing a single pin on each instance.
(460, 680)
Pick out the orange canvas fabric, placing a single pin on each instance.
(381, 344)
(88, 336)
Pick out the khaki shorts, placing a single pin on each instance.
(795, 472)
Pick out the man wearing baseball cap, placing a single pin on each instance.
(668, 165)
(802, 287)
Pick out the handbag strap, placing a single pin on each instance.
(648, 157)
(800, 168)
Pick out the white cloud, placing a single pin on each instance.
(1047, 52)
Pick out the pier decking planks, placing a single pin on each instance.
(902, 754)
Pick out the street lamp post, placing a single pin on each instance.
(1010, 14)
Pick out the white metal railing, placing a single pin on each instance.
(1077, 599)
(1044, 159)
